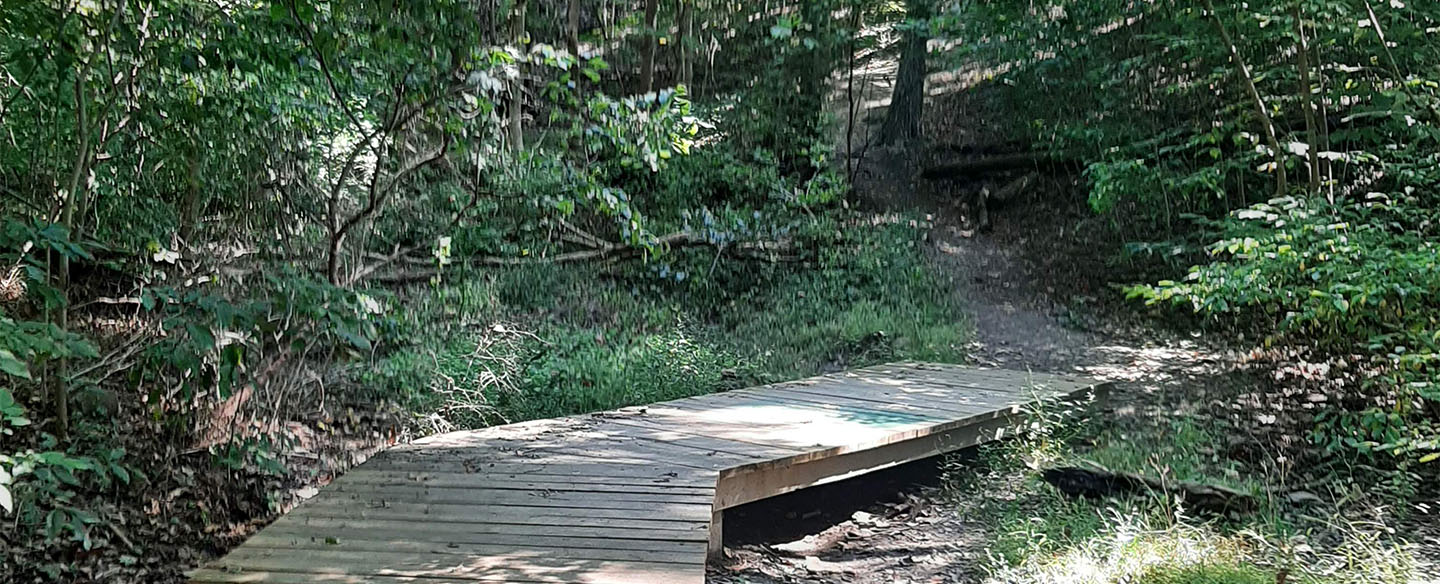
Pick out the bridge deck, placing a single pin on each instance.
(632, 496)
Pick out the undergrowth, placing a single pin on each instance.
(1040, 535)
(538, 342)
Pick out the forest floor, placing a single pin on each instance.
(1039, 286)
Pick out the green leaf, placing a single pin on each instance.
(120, 473)
(1433, 456)
(12, 365)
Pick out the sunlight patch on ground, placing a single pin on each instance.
(1126, 549)
(1156, 363)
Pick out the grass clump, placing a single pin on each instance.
(539, 342)
(1039, 535)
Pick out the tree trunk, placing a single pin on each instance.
(74, 195)
(686, 23)
(190, 205)
(517, 90)
(902, 119)
(572, 28)
(1266, 124)
(651, 40)
(1306, 90)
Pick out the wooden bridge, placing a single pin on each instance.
(633, 496)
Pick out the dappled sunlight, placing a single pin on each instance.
(805, 427)
(1153, 363)
(1127, 548)
(1130, 546)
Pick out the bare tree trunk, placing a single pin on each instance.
(852, 104)
(190, 206)
(74, 194)
(1256, 100)
(517, 90)
(651, 40)
(1302, 58)
(902, 119)
(686, 24)
(572, 27)
(1326, 165)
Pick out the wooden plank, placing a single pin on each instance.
(935, 391)
(459, 546)
(649, 472)
(590, 434)
(789, 435)
(370, 494)
(482, 512)
(674, 432)
(926, 411)
(940, 399)
(516, 567)
(213, 576)
(682, 425)
(933, 406)
(616, 452)
(760, 411)
(611, 530)
(364, 476)
(871, 411)
(1018, 382)
(746, 485)
(809, 429)
(460, 533)
(510, 514)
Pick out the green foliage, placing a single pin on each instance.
(1155, 97)
(1035, 534)
(1209, 574)
(46, 489)
(580, 339)
(214, 345)
(1349, 278)
(26, 342)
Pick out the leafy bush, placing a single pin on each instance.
(1190, 115)
(1346, 279)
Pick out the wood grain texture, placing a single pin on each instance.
(631, 496)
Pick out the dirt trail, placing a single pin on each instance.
(1035, 296)
(1038, 288)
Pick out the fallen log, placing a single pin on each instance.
(1100, 483)
(992, 164)
(1013, 188)
(772, 251)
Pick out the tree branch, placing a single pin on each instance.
(759, 250)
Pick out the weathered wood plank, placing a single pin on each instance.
(760, 450)
(747, 484)
(379, 494)
(513, 567)
(933, 412)
(650, 472)
(614, 529)
(920, 394)
(874, 412)
(460, 546)
(585, 483)
(460, 533)
(481, 512)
